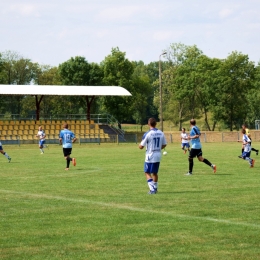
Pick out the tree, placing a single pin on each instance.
(203, 79)
(253, 97)
(77, 71)
(118, 72)
(236, 80)
(45, 75)
(16, 70)
(179, 97)
(142, 104)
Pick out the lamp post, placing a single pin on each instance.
(160, 82)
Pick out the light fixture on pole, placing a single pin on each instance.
(160, 82)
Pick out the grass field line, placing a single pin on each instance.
(125, 207)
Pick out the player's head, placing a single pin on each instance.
(65, 125)
(243, 131)
(40, 128)
(152, 122)
(244, 126)
(193, 122)
(183, 130)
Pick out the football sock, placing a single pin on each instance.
(150, 184)
(68, 162)
(207, 162)
(253, 149)
(6, 155)
(155, 185)
(41, 150)
(190, 165)
(248, 159)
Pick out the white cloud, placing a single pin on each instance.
(53, 31)
(25, 9)
(225, 13)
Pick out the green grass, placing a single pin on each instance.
(100, 209)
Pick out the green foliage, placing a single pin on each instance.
(118, 72)
(222, 92)
(236, 80)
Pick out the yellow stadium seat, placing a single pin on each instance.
(30, 137)
(3, 132)
(31, 132)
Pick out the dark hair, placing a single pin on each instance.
(193, 122)
(152, 122)
(65, 125)
(243, 131)
(183, 129)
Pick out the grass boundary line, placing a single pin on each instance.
(118, 206)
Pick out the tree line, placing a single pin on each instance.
(221, 91)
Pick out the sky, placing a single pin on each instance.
(50, 32)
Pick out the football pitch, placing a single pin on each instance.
(100, 208)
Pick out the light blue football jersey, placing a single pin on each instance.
(195, 143)
(66, 136)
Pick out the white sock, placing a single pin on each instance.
(41, 150)
(6, 155)
(150, 184)
(155, 185)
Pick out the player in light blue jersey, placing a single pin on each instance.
(66, 139)
(196, 148)
(154, 141)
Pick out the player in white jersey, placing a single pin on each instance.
(41, 135)
(247, 149)
(185, 145)
(4, 153)
(154, 141)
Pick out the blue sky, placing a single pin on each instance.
(51, 32)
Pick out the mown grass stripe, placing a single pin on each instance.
(124, 207)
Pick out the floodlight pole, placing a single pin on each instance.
(160, 82)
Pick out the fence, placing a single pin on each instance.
(173, 137)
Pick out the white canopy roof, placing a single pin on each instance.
(63, 90)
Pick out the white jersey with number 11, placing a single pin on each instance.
(153, 140)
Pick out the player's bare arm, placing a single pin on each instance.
(163, 146)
